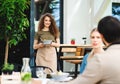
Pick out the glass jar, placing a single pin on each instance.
(26, 71)
(26, 67)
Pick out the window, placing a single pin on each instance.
(116, 10)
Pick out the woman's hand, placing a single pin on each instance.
(37, 45)
(56, 44)
(41, 45)
(53, 44)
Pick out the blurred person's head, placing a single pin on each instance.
(109, 27)
(96, 38)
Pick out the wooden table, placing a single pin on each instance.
(76, 45)
(71, 57)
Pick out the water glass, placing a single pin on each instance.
(40, 73)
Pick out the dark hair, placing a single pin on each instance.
(53, 27)
(109, 27)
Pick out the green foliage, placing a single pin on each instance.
(8, 66)
(13, 20)
(73, 39)
(26, 77)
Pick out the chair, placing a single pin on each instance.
(77, 59)
(45, 68)
(79, 52)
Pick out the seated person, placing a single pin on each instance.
(97, 45)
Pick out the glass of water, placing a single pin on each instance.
(40, 72)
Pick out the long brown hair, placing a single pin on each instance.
(53, 27)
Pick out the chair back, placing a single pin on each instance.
(79, 51)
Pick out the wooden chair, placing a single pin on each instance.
(76, 59)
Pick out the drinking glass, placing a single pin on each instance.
(40, 73)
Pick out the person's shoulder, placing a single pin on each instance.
(102, 57)
(109, 53)
(102, 54)
(40, 32)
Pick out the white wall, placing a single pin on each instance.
(76, 20)
(80, 16)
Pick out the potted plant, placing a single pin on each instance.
(13, 23)
(72, 41)
(7, 68)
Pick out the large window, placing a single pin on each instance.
(51, 6)
(55, 7)
(116, 10)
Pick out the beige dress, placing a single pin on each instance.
(46, 56)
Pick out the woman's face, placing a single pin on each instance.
(96, 39)
(47, 22)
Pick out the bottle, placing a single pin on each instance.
(84, 39)
(25, 67)
(26, 71)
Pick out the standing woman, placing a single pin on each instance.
(47, 30)
(97, 47)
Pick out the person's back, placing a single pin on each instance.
(110, 67)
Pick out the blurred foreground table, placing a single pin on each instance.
(15, 78)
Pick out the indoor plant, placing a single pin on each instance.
(13, 22)
(72, 41)
(7, 68)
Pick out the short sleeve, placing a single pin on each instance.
(58, 35)
(36, 37)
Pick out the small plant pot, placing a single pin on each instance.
(7, 72)
(7, 68)
(72, 41)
